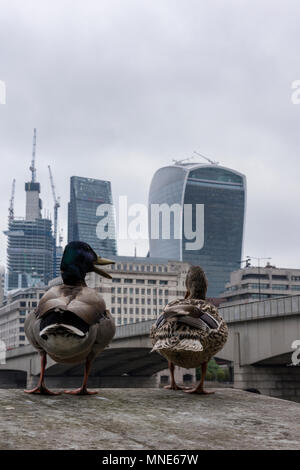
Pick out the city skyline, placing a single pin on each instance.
(200, 86)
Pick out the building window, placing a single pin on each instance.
(163, 283)
(164, 379)
(116, 279)
(119, 290)
(151, 281)
(140, 281)
(128, 281)
(137, 290)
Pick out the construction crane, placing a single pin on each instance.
(32, 166)
(11, 202)
(206, 158)
(56, 206)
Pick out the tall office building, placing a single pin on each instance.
(206, 204)
(86, 221)
(30, 240)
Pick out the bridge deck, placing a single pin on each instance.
(148, 419)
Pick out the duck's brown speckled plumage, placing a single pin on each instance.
(186, 346)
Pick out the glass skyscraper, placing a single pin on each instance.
(218, 220)
(86, 195)
(30, 244)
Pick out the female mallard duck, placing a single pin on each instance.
(190, 331)
(71, 322)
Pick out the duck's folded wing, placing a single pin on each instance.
(86, 303)
(191, 315)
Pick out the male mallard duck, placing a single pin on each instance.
(190, 331)
(71, 322)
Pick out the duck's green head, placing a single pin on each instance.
(78, 260)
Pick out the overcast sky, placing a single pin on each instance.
(117, 89)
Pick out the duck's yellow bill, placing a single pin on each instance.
(103, 261)
(101, 272)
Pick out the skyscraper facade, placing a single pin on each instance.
(87, 196)
(29, 253)
(206, 205)
(30, 240)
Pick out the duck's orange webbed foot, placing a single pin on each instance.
(174, 387)
(41, 390)
(81, 391)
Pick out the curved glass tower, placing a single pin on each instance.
(204, 205)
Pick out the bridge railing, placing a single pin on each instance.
(288, 305)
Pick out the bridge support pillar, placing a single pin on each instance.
(275, 381)
(278, 381)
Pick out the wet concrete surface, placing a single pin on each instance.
(148, 419)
